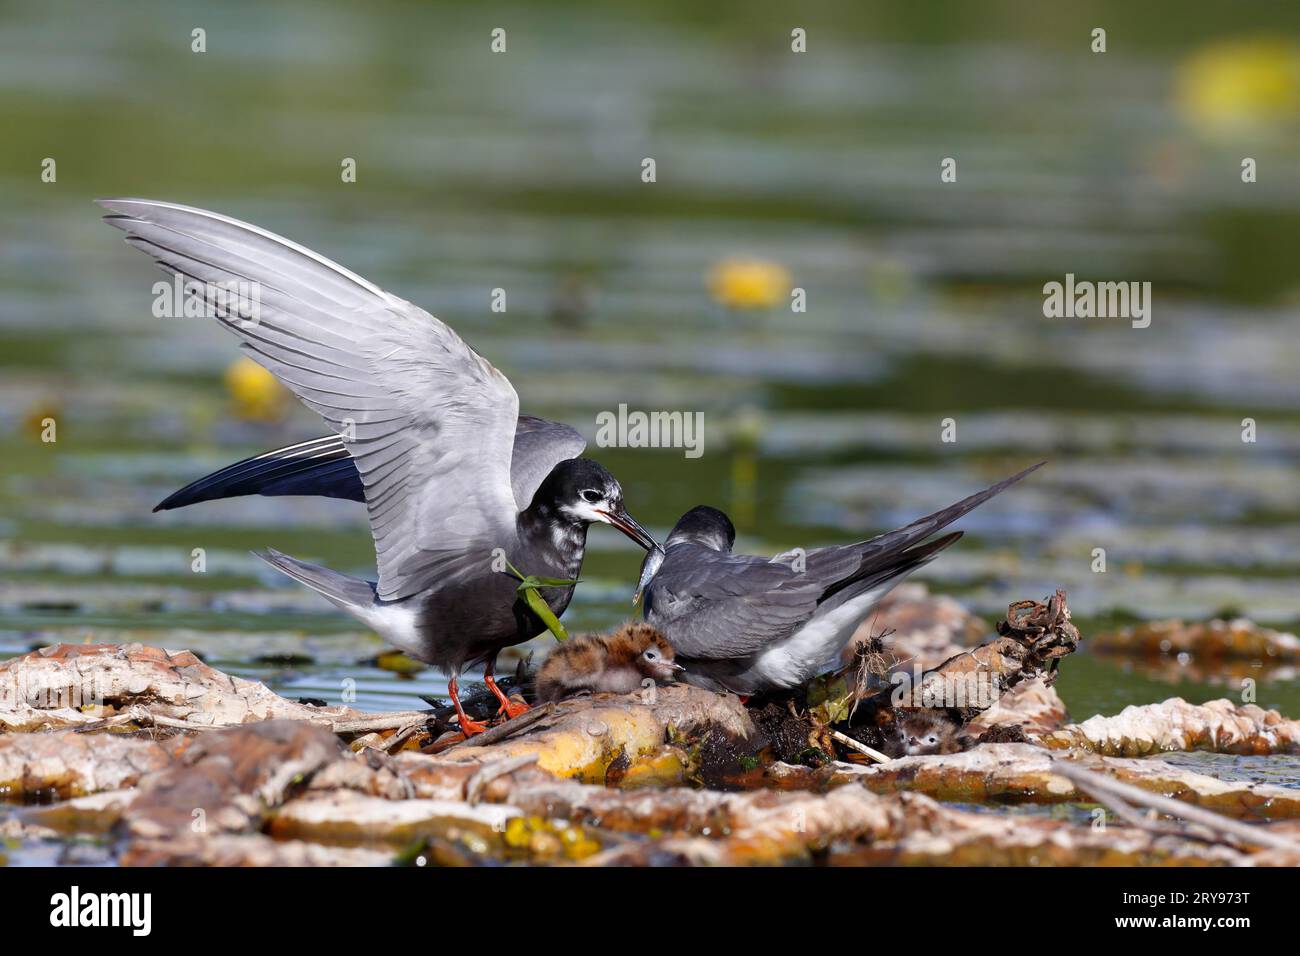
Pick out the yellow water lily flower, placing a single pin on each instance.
(41, 421)
(749, 283)
(395, 662)
(255, 393)
(1241, 82)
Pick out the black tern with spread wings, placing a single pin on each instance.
(323, 467)
(749, 624)
(431, 429)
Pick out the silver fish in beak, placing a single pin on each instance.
(649, 568)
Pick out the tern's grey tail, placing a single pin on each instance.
(353, 595)
(886, 559)
(882, 576)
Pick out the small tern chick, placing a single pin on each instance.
(617, 663)
(924, 732)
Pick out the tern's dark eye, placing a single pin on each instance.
(591, 496)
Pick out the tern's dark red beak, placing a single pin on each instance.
(629, 526)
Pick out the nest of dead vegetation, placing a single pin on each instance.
(631, 779)
(871, 711)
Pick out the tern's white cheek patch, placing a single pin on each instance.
(584, 511)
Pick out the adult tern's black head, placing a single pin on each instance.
(580, 491)
(702, 525)
(706, 526)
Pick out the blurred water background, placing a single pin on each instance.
(775, 170)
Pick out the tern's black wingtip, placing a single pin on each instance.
(174, 500)
(1028, 471)
(1014, 479)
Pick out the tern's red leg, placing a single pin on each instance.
(510, 707)
(467, 727)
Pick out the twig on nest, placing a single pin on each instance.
(140, 714)
(873, 664)
(860, 747)
(477, 783)
(1120, 797)
(376, 722)
(394, 743)
(503, 731)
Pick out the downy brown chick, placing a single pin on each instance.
(922, 732)
(615, 663)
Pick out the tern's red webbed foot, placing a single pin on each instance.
(468, 727)
(511, 707)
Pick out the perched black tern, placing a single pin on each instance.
(749, 624)
(431, 428)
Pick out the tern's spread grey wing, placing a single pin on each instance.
(429, 422)
(540, 445)
(322, 467)
(732, 605)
